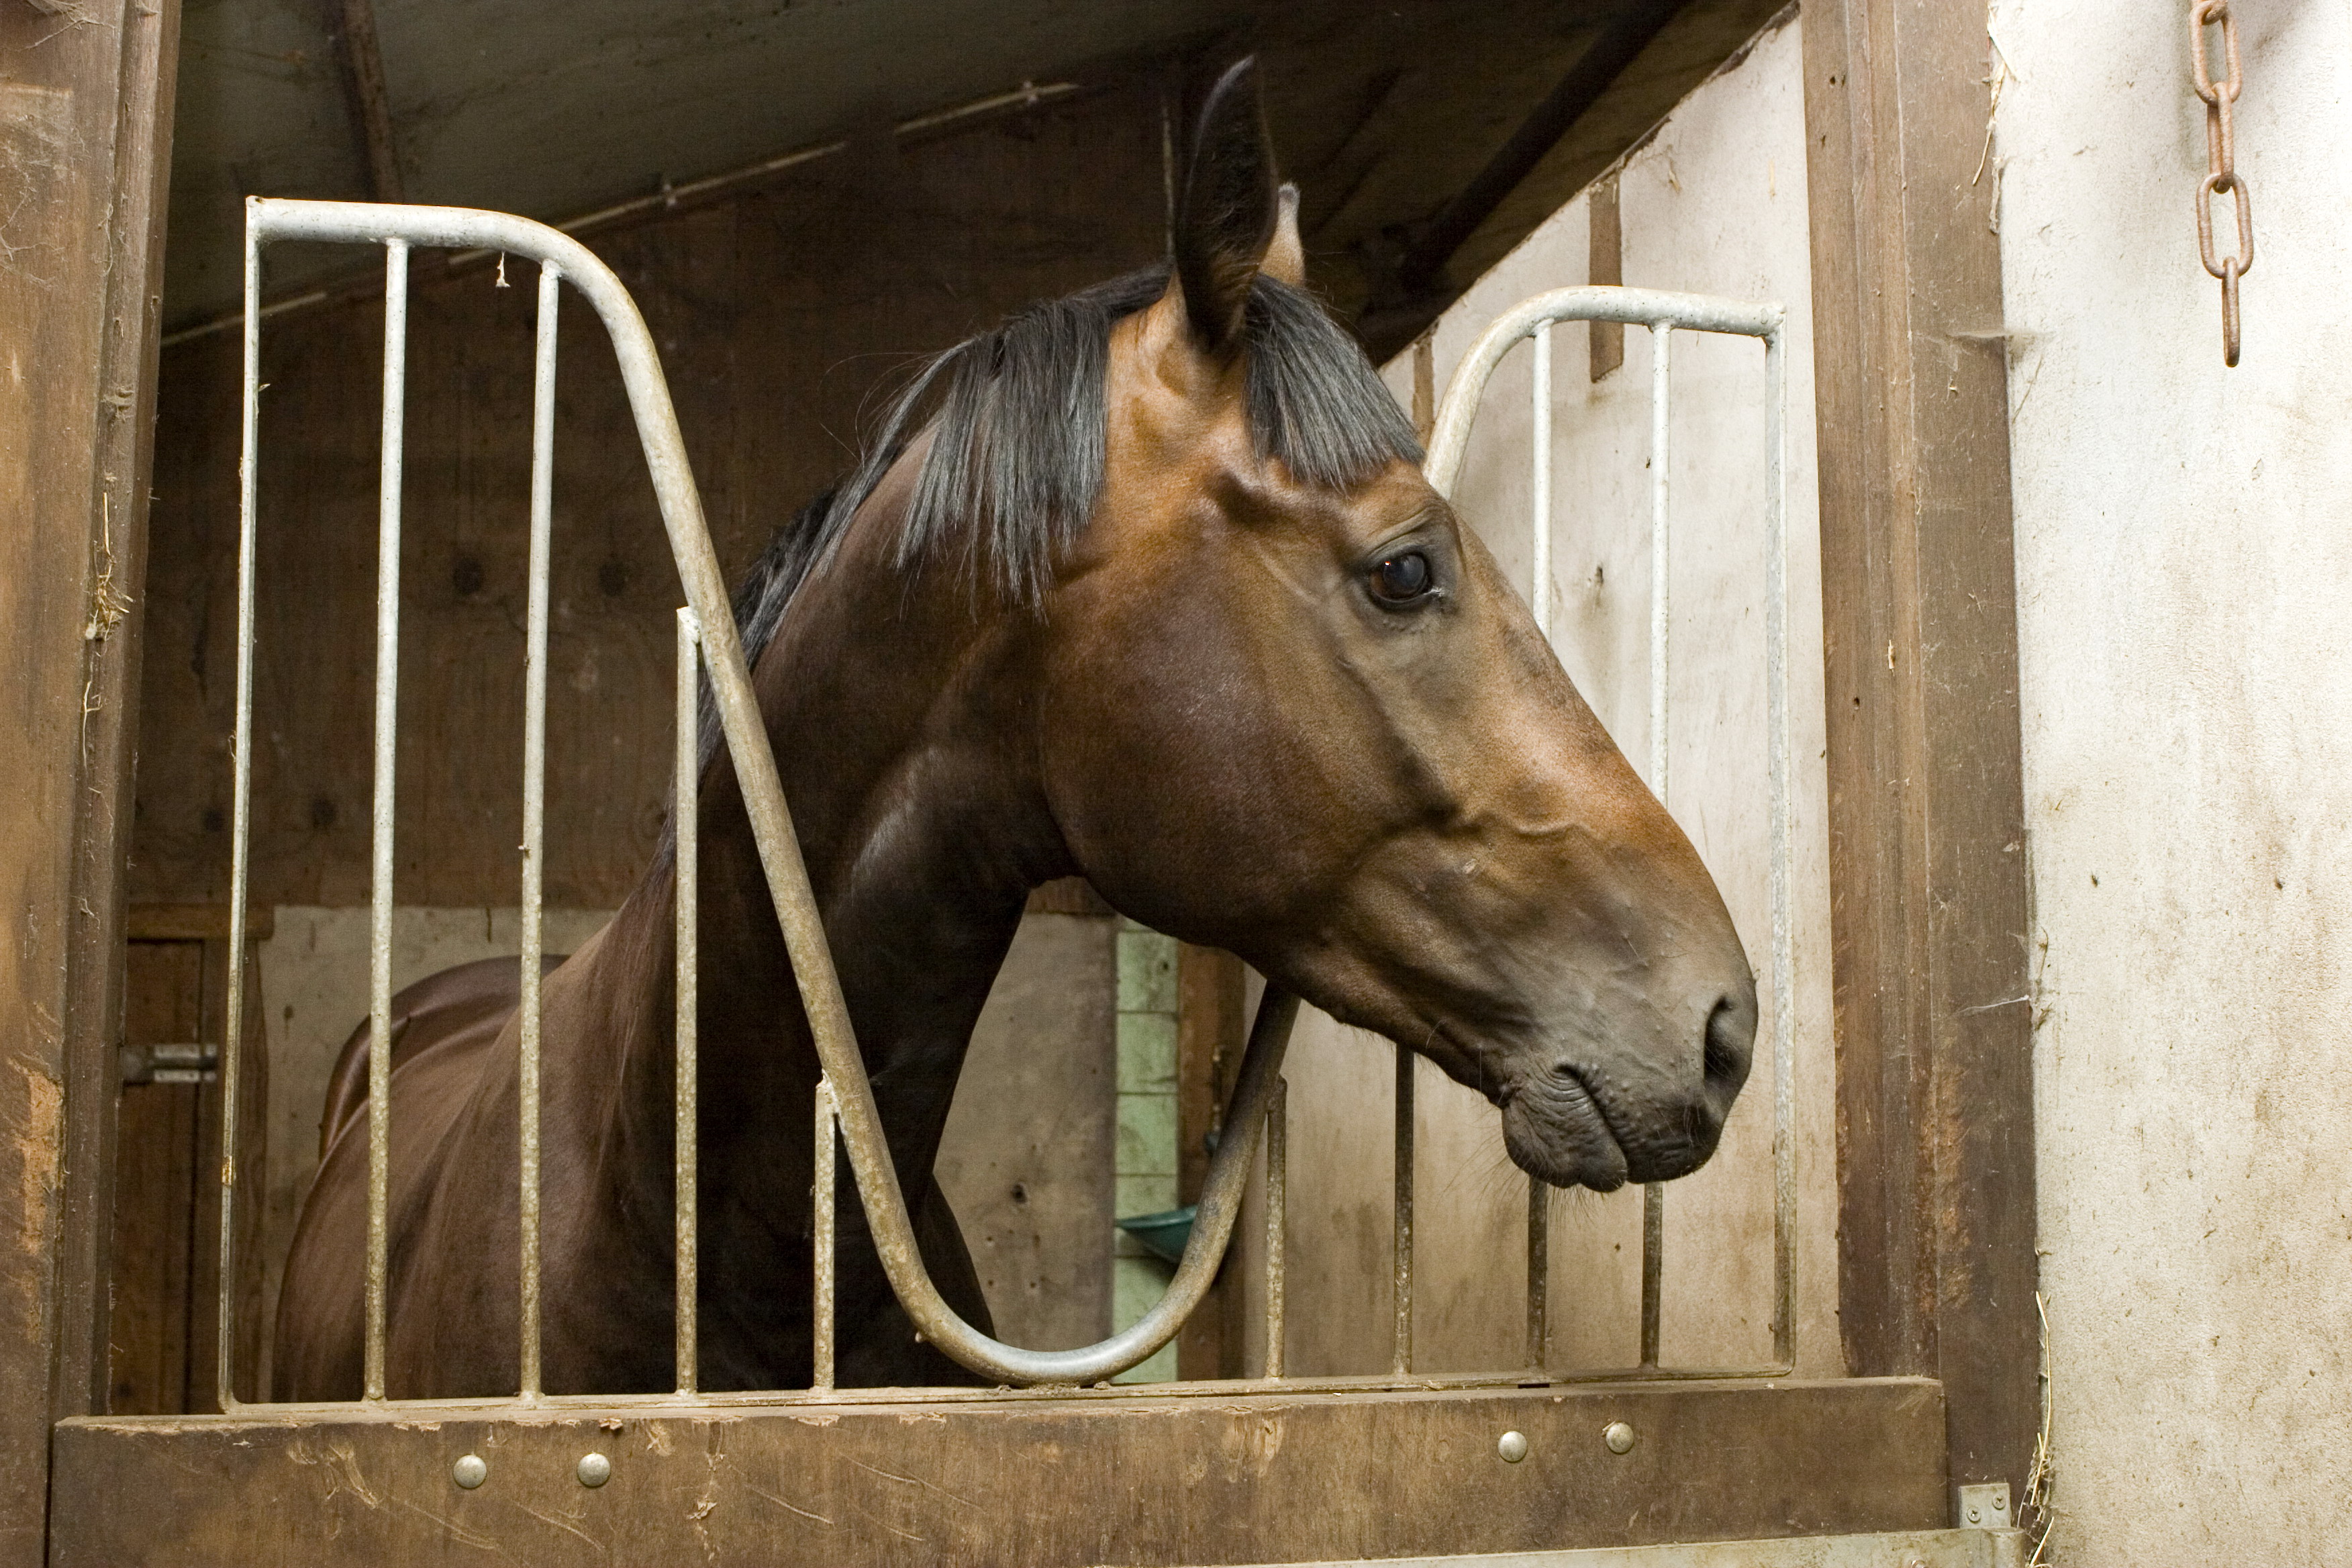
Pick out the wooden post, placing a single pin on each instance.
(1927, 834)
(85, 153)
(1211, 1028)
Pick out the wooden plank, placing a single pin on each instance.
(155, 1179)
(85, 108)
(1210, 1029)
(194, 922)
(1927, 868)
(1255, 1477)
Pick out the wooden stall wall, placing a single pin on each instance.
(781, 314)
(784, 314)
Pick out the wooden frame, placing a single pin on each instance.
(1206, 1475)
(85, 155)
(1927, 866)
(1936, 1267)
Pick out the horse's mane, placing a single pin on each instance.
(1018, 441)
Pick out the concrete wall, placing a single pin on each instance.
(1713, 203)
(2182, 572)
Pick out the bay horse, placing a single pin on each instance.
(1145, 586)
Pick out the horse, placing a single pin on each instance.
(1144, 586)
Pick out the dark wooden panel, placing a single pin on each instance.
(1928, 867)
(1247, 1478)
(778, 313)
(1210, 1033)
(155, 1182)
(85, 107)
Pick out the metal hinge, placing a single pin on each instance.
(169, 1064)
(1985, 1507)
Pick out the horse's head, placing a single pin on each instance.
(1292, 709)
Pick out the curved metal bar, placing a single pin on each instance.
(1663, 312)
(1635, 307)
(772, 826)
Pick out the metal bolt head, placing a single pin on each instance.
(595, 1469)
(470, 1472)
(1617, 1437)
(1513, 1447)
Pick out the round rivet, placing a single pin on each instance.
(470, 1472)
(595, 1469)
(1617, 1437)
(1513, 1447)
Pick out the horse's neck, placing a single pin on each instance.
(894, 713)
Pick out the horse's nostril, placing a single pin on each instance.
(1728, 1047)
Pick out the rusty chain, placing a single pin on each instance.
(2222, 177)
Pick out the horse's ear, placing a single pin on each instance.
(1226, 211)
(1285, 258)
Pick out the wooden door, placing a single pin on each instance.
(165, 1314)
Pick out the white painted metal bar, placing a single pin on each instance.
(1539, 598)
(1278, 1221)
(534, 814)
(1400, 1298)
(686, 1028)
(387, 726)
(240, 822)
(1662, 586)
(1539, 1273)
(822, 1234)
(1539, 485)
(1784, 807)
(1663, 312)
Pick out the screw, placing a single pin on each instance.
(1617, 1437)
(595, 1469)
(1513, 1447)
(470, 1472)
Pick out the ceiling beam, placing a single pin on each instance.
(352, 25)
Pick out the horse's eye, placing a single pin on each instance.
(1401, 577)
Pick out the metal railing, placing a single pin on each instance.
(707, 641)
(707, 638)
(1663, 313)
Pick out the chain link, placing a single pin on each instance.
(2221, 178)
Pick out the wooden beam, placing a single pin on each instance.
(84, 154)
(1214, 1476)
(351, 24)
(1927, 819)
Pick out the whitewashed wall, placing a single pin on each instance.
(1714, 203)
(2184, 562)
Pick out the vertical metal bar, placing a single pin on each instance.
(1660, 580)
(1539, 485)
(1402, 1348)
(821, 1328)
(241, 819)
(1784, 964)
(1654, 1196)
(686, 828)
(387, 717)
(1277, 1203)
(1654, 1268)
(534, 810)
(1539, 600)
(1539, 1273)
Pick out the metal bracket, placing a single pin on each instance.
(169, 1064)
(1982, 1507)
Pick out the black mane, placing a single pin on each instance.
(1016, 458)
(1017, 451)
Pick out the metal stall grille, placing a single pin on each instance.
(1664, 313)
(707, 642)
